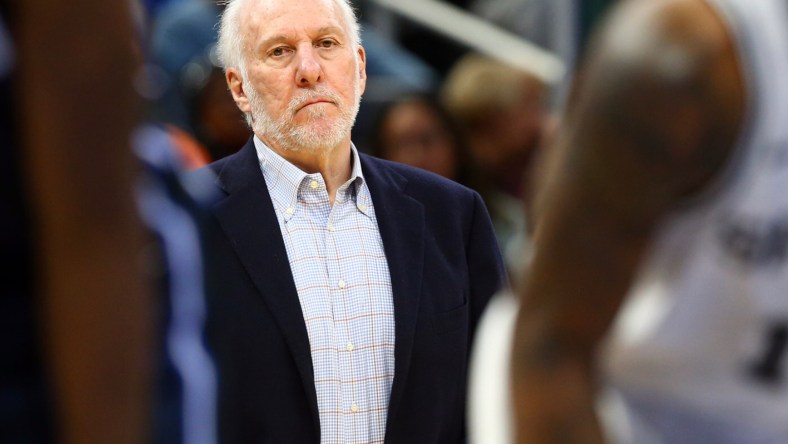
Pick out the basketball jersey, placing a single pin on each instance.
(698, 353)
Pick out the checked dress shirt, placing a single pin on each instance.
(344, 288)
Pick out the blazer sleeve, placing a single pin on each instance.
(486, 269)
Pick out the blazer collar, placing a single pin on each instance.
(248, 219)
(401, 223)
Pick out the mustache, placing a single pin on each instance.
(320, 92)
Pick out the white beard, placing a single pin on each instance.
(287, 135)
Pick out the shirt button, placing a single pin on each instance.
(314, 184)
(341, 284)
(289, 211)
(349, 346)
(354, 407)
(362, 207)
(331, 227)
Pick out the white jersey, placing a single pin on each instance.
(699, 352)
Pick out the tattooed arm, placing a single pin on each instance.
(653, 117)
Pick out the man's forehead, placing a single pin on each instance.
(266, 19)
(270, 9)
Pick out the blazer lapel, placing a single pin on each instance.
(401, 223)
(248, 219)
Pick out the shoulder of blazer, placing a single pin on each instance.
(411, 180)
(234, 171)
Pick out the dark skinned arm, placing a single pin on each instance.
(654, 116)
(77, 108)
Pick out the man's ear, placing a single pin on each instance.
(362, 67)
(236, 85)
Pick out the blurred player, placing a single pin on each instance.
(664, 221)
(76, 309)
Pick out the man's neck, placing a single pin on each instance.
(334, 164)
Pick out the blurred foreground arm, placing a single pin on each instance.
(78, 108)
(654, 114)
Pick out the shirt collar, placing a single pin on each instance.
(284, 180)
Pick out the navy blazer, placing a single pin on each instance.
(444, 263)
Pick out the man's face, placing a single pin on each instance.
(304, 78)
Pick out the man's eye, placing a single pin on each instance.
(327, 43)
(278, 52)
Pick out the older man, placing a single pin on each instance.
(349, 286)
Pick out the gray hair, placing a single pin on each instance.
(231, 41)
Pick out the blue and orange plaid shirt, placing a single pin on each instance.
(340, 271)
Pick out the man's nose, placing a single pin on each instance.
(309, 70)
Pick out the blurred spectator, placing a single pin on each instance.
(185, 380)
(392, 72)
(549, 24)
(417, 131)
(184, 392)
(182, 31)
(216, 122)
(193, 101)
(503, 114)
(559, 26)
